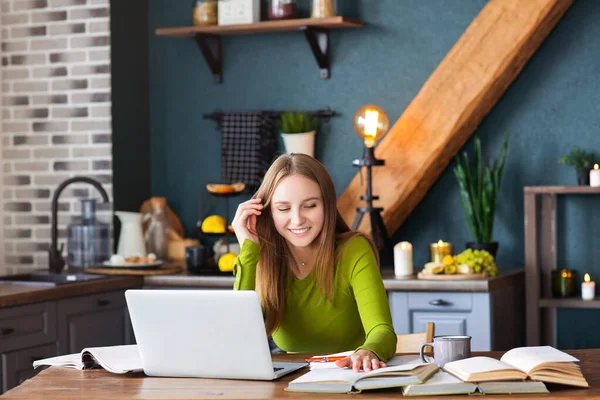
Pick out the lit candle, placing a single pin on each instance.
(438, 250)
(403, 259)
(595, 176)
(588, 288)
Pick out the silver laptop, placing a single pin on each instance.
(203, 333)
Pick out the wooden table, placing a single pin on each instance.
(64, 383)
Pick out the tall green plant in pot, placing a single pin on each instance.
(479, 184)
(298, 130)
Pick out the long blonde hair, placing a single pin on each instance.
(273, 265)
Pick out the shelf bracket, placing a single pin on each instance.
(211, 49)
(318, 40)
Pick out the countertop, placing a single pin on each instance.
(506, 278)
(17, 294)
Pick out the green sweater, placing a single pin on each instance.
(359, 317)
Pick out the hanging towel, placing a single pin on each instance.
(248, 146)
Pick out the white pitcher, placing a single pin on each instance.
(131, 239)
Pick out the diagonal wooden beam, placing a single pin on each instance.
(452, 103)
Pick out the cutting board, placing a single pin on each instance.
(163, 270)
(455, 277)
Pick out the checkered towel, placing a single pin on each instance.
(248, 146)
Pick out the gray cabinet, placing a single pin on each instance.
(27, 333)
(16, 365)
(43, 330)
(494, 319)
(89, 321)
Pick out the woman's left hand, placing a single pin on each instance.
(365, 359)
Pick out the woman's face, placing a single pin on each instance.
(298, 210)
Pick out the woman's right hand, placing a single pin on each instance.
(244, 221)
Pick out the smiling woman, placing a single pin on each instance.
(318, 281)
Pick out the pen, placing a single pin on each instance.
(325, 359)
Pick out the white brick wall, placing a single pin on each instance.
(56, 118)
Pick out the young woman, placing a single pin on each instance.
(319, 283)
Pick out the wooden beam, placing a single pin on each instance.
(452, 103)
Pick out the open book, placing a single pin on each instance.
(115, 359)
(345, 380)
(541, 363)
(442, 383)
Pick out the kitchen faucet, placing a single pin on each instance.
(56, 262)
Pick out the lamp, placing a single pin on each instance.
(371, 123)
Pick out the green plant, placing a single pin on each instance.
(297, 122)
(478, 185)
(578, 158)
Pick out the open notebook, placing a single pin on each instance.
(442, 383)
(540, 363)
(344, 380)
(115, 359)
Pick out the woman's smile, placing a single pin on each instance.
(299, 232)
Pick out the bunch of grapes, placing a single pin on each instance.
(478, 260)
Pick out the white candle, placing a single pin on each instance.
(595, 176)
(403, 260)
(588, 288)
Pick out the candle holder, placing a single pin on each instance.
(438, 250)
(563, 282)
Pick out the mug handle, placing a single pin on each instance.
(422, 349)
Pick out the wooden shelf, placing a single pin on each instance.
(562, 189)
(316, 31)
(573, 302)
(261, 27)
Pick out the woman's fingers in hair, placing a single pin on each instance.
(246, 214)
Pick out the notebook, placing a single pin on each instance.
(345, 380)
(442, 383)
(540, 363)
(115, 359)
(203, 334)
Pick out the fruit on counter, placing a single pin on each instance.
(226, 262)
(448, 260)
(463, 269)
(213, 224)
(450, 269)
(478, 261)
(222, 188)
(438, 269)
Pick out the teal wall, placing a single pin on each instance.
(552, 106)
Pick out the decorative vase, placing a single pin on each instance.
(300, 142)
(491, 247)
(583, 177)
(131, 240)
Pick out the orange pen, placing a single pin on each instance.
(325, 359)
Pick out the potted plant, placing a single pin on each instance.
(582, 161)
(479, 183)
(298, 131)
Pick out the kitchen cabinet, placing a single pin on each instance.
(52, 328)
(16, 365)
(96, 320)
(494, 319)
(26, 333)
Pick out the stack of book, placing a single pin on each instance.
(521, 370)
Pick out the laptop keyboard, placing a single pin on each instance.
(275, 369)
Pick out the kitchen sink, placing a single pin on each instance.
(47, 278)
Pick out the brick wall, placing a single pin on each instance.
(56, 118)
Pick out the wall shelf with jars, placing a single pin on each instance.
(316, 31)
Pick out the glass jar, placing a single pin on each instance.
(563, 282)
(205, 12)
(323, 9)
(282, 9)
(88, 241)
(157, 239)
